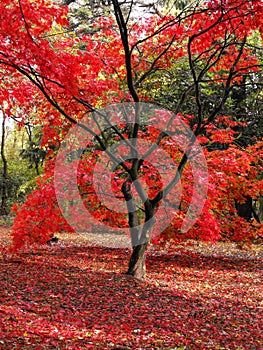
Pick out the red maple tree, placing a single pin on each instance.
(66, 84)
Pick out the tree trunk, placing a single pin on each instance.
(139, 234)
(137, 266)
(260, 210)
(3, 206)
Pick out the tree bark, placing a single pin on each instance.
(137, 265)
(3, 207)
(260, 214)
(140, 234)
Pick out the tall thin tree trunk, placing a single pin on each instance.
(3, 206)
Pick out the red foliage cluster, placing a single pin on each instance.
(233, 174)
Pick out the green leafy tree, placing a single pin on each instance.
(32, 151)
(19, 176)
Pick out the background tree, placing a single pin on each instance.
(21, 177)
(33, 151)
(4, 175)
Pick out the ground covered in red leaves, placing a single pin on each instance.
(75, 295)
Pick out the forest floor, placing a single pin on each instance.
(75, 295)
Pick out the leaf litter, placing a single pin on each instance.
(75, 295)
